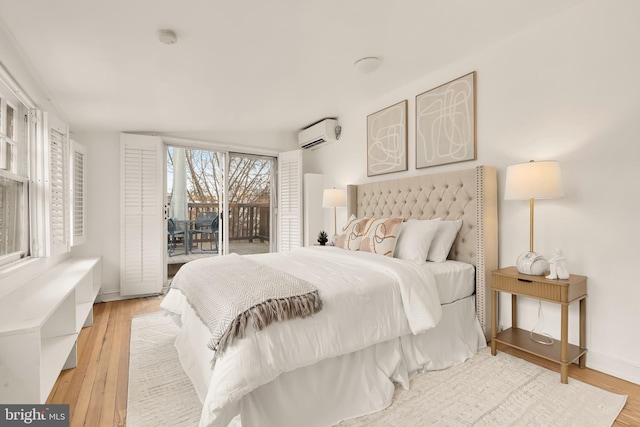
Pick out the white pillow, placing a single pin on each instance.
(442, 242)
(415, 239)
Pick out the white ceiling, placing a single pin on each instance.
(243, 67)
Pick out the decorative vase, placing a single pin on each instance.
(532, 264)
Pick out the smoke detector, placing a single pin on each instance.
(367, 64)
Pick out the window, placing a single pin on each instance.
(14, 238)
(42, 180)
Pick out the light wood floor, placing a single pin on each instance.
(97, 389)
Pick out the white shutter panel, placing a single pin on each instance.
(78, 196)
(58, 207)
(141, 222)
(290, 200)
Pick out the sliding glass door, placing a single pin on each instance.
(217, 203)
(250, 205)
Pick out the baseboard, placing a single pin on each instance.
(611, 365)
(115, 295)
(110, 296)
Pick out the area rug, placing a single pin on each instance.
(160, 393)
(483, 391)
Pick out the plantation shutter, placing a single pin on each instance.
(58, 192)
(290, 200)
(142, 221)
(78, 195)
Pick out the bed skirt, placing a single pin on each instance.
(343, 387)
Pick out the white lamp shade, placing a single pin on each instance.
(534, 180)
(334, 198)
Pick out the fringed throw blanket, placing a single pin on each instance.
(231, 293)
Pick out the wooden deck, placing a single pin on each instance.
(179, 258)
(241, 248)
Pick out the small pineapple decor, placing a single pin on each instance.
(322, 238)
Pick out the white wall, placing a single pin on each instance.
(103, 206)
(568, 90)
(13, 61)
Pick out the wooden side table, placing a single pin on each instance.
(562, 292)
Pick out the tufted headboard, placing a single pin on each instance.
(470, 194)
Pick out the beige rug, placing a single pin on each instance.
(483, 391)
(160, 393)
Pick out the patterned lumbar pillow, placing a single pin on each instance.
(352, 233)
(381, 235)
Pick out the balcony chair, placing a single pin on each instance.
(206, 226)
(173, 235)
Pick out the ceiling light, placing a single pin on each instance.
(168, 37)
(368, 64)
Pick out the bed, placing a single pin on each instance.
(383, 320)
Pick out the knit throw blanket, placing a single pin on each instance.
(232, 293)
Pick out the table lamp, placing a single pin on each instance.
(334, 198)
(533, 180)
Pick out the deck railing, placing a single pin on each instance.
(247, 221)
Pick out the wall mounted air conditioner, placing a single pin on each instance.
(319, 133)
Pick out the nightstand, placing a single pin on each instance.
(562, 292)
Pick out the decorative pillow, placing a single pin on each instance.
(352, 233)
(415, 239)
(442, 242)
(381, 235)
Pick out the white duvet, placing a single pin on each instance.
(367, 298)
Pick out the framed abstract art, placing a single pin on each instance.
(387, 140)
(446, 123)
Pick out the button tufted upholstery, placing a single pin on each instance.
(469, 194)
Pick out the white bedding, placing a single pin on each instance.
(330, 391)
(454, 279)
(368, 299)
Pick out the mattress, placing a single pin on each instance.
(454, 279)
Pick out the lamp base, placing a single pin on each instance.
(532, 263)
